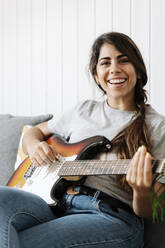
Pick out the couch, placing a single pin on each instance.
(10, 133)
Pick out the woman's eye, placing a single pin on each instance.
(105, 63)
(123, 61)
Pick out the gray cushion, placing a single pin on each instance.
(10, 132)
(154, 234)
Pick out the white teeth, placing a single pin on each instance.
(116, 81)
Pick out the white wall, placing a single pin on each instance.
(45, 44)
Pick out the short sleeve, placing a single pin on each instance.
(62, 126)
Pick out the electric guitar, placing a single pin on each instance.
(74, 160)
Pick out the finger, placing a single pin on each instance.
(54, 152)
(49, 152)
(39, 159)
(148, 170)
(135, 167)
(34, 162)
(140, 169)
(44, 156)
(44, 151)
(132, 170)
(129, 173)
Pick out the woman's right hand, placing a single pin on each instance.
(42, 153)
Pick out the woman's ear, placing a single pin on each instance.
(96, 79)
(138, 76)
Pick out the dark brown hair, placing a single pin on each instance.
(128, 140)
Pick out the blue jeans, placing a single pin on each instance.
(27, 221)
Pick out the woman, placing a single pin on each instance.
(104, 210)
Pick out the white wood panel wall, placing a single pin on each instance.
(45, 47)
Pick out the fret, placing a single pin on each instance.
(110, 170)
(88, 168)
(97, 170)
(125, 169)
(82, 170)
(67, 170)
(104, 170)
(77, 170)
(120, 169)
(116, 169)
(102, 167)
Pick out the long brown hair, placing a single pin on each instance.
(126, 142)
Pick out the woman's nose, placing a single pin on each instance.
(115, 68)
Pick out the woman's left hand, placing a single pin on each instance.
(139, 175)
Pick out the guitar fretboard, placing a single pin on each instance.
(106, 167)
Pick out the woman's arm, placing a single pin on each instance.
(39, 151)
(140, 178)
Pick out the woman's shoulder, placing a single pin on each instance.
(156, 130)
(88, 105)
(153, 117)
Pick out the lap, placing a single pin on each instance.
(85, 225)
(23, 209)
(74, 230)
(86, 222)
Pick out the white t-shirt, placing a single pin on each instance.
(90, 118)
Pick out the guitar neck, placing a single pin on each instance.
(99, 167)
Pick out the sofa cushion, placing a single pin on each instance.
(10, 132)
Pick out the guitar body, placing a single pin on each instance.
(44, 180)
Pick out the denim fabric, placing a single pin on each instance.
(27, 221)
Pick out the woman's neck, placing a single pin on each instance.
(122, 105)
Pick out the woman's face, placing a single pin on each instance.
(117, 76)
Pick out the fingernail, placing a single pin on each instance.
(148, 155)
(142, 148)
(139, 149)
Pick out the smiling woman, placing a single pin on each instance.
(109, 206)
(117, 77)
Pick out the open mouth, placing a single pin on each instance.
(117, 81)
